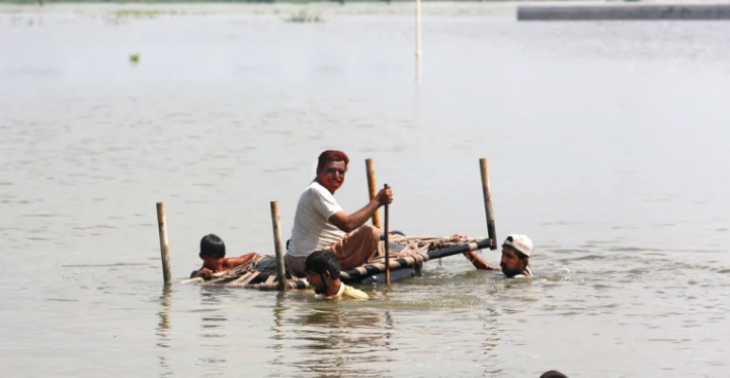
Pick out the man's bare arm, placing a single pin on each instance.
(202, 272)
(478, 262)
(348, 223)
(233, 262)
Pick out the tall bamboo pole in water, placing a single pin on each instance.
(418, 41)
(387, 245)
(487, 193)
(164, 246)
(371, 189)
(278, 246)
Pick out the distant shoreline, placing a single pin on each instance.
(152, 9)
(367, 7)
(35, 2)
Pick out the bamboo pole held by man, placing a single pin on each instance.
(387, 244)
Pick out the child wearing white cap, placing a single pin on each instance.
(516, 252)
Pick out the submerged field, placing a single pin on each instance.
(606, 144)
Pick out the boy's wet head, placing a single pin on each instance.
(211, 246)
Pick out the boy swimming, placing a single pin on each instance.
(213, 254)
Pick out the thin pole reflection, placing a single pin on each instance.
(163, 330)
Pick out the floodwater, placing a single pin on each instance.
(607, 144)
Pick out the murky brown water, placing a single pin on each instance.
(607, 144)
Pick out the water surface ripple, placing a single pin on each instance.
(607, 144)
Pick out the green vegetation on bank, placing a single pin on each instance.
(305, 16)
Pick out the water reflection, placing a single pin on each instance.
(279, 310)
(278, 334)
(213, 320)
(342, 339)
(213, 331)
(163, 330)
(163, 326)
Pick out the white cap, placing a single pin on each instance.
(520, 242)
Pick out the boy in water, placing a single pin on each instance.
(213, 254)
(323, 273)
(516, 252)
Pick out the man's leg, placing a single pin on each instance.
(356, 248)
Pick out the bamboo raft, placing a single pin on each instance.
(407, 252)
(404, 255)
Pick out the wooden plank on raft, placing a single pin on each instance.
(249, 279)
(243, 277)
(216, 280)
(394, 264)
(245, 282)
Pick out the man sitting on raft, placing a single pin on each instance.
(323, 273)
(516, 252)
(321, 224)
(213, 254)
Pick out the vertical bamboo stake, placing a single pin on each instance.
(418, 29)
(371, 189)
(387, 245)
(278, 246)
(486, 191)
(418, 41)
(164, 247)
